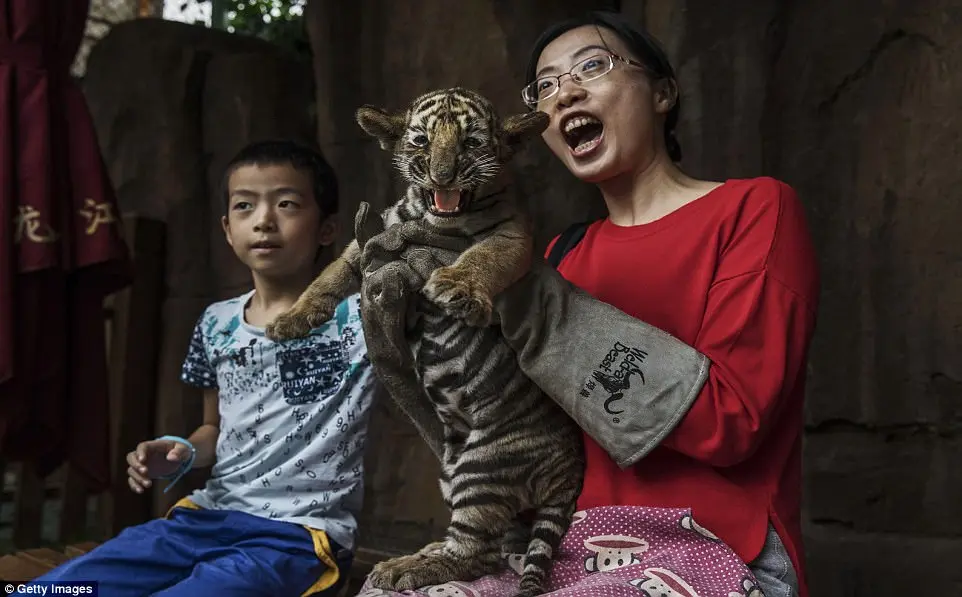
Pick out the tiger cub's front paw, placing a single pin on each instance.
(299, 321)
(460, 296)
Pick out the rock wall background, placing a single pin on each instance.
(853, 102)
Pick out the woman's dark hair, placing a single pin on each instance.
(643, 47)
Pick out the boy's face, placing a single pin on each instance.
(273, 222)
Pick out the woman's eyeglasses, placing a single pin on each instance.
(588, 69)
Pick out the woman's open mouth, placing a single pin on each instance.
(582, 133)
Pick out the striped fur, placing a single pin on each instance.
(507, 448)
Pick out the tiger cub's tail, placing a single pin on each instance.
(549, 526)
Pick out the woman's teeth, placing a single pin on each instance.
(583, 133)
(579, 121)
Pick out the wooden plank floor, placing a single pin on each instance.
(31, 563)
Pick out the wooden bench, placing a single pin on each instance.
(29, 564)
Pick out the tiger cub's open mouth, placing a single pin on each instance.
(448, 202)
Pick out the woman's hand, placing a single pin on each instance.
(153, 459)
(424, 247)
(389, 283)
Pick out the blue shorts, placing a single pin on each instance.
(197, 552)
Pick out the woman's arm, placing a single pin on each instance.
(563, 337)
(712, 401)
(758, 325)
(572, 345)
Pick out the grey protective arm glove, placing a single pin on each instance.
(386, 291)
(626, 383)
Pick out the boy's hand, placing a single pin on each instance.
(152, 459)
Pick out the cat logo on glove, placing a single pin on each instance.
(614, 374)
(613, 552)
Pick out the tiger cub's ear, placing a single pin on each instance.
(386, 128)
(519, 127)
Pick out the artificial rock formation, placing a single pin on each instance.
(859, 115)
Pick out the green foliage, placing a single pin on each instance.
(277, 21)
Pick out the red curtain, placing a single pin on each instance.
(61, 247)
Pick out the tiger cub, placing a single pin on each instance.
(507, 448)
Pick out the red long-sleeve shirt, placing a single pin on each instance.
(734, 275)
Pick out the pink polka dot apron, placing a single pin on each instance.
(621, 551)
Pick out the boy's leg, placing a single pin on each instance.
(266, 558)
(143, 558)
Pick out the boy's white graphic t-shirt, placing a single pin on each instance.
(293, 417)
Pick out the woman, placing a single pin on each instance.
(684, 358)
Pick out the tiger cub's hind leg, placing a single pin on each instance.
(471, 550)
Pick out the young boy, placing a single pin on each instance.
(284, 424)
